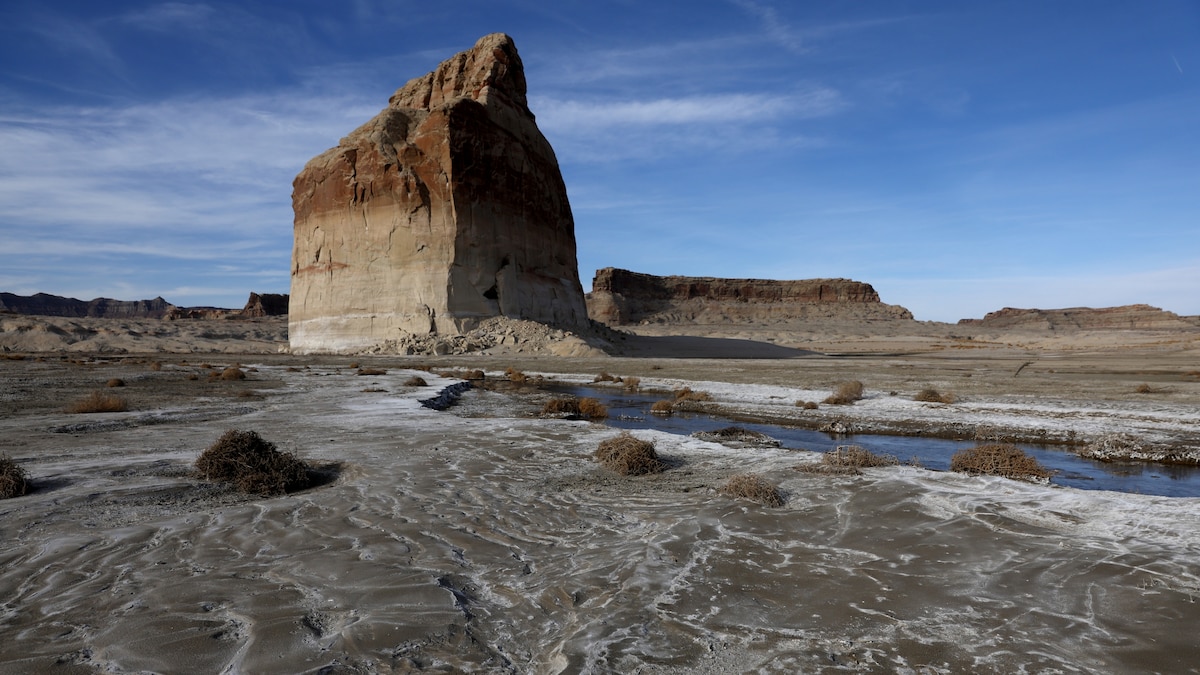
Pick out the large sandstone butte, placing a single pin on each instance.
(445, 209)
(621, 297)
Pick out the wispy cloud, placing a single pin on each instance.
(170, 16)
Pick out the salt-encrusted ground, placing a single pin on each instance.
(492, 542)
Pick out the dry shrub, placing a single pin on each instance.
(686, 394)
(115, 382)
(591, 408)
(353, 364)
(233, 373)
(632, 383)
(474, 375)
(416, 381)
(515, 375)
(846, 393)
(858, 457)
(14, 482)
(371, 371)
(999, 459)
(99, 402)
(1144, 388)
(252, 464)
(193, 376)
(155, 366)
(206, 366)
(605, 377)
(629, 456)
(561, 406)
(663, 407)
(807, 405)
(934, 396)
(753, 487)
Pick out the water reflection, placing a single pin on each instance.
(632, 411)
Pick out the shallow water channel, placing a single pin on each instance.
(632, 411)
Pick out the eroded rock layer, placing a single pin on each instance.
(445, 209)
(1129, 317)
(623, 297)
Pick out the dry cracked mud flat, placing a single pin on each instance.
(483, 538)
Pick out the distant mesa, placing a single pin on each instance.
(444, 210)
(1129, 317)
(44, 304)
(620, 297)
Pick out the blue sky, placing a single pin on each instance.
(959, 156)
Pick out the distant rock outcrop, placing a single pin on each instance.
(1128, 317)
(43, 304)
(445, 209)
(266, 304)
(623, 297)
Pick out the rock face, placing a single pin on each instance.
(266, 304)
(623, 297)
(1128, 317)
(44, 304)
(445, 209)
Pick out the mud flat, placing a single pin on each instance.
(484, 538)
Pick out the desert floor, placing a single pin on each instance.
(484, 538)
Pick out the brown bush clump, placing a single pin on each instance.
(416, 381)
(686, 394)
(847, 460)
(632, 383)
(857, 456)
(605, 377)
(233, 373)
(99, 402)
(14, 482)
(371, 371)
(561, 406)
(515, 375)
(629, 456)
(663, 407)
(115, 382)
(846, 393)
(156, 365)
(807, 405)
(590, 407)
(252, 464)
(1144, 388)
(999, 459)
(934, 396)
(753, 487)
(474, 375)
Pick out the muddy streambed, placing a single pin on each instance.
(628, 410)
(463, 542)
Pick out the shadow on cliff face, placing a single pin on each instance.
(692, 347)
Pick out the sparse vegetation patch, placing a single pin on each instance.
(233, 373)
(663, 407)
(14, 482)
(847, 460)
(999, 459)
(755, 488)
(629, 456)
(115, 382)
(416, 381)
(99, 402)
(930, 395)
(846, 393)
(252, 464)
(371, 371)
